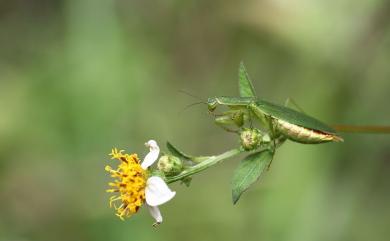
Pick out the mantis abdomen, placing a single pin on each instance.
(303, 135)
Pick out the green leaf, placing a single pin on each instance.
(176, 152)
(245, 85)
(248, 171)
(186, 181)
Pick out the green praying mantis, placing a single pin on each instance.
(281, 122)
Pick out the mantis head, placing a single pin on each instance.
(212, 104)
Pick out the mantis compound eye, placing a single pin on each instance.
(212, 104)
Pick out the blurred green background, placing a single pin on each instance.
(80, 77)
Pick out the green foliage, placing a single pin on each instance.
(245, 85)
(176, 152)
(249, 171)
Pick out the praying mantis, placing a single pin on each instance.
(280, 122)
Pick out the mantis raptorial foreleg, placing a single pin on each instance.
(231, 118)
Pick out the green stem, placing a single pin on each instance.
(204, 165)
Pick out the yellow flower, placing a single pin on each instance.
(133, 187)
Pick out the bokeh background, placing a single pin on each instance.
(80, 77)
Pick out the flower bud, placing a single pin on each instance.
(170, 165)
(250, 138)
(266, 139)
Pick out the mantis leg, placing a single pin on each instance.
(293, 103)
(250, 117)
(230, 118)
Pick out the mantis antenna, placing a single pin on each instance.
(189, 94)
(193, 104)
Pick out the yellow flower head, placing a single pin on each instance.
(129, 184)
(133, 187)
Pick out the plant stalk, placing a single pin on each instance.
(204, 165)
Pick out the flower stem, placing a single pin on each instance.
(213, 160)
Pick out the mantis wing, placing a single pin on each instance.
(293, 117)
(245, 85)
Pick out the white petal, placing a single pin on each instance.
(155, 212)
(151, 144)
(157, 191)
(152, 156)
